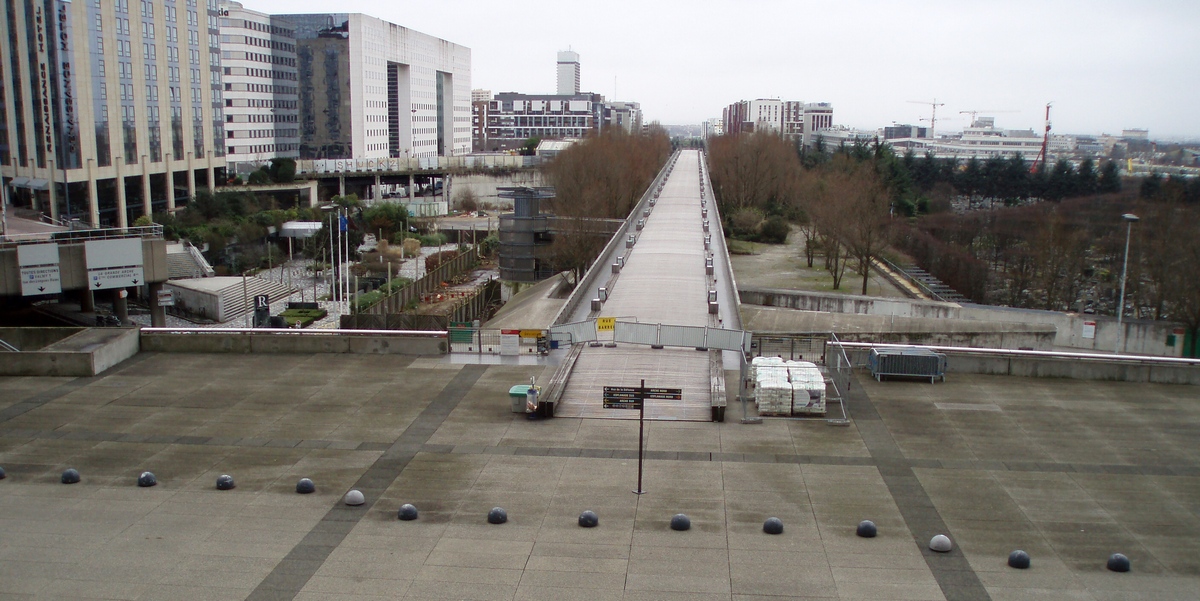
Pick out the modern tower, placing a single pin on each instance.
(568, 73)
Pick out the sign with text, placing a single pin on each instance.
(39, 269)
(114, 263)
(633, 397)
(606, 324)
(1089, 329)
(165, 298)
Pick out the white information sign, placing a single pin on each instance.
(1089, 329)
(114, 263)
(39, 269)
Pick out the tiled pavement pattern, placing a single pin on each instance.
(1069, 471)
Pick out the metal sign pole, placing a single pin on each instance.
(641, 435)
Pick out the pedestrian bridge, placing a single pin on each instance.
(658, 305)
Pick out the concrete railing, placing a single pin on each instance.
(1049, 364)
(284, 340)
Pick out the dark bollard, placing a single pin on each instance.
(1117, 562)
(497, 515)
(680, 522)
(305, 486)
(407, 512)
(2, 474)
(773, 526)
(589, 519)
(70, 476)
(225, 482)
(1018, 559)
(867, 529)
(147, 479)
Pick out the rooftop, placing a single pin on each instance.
(1070, 471)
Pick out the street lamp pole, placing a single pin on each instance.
(1129, 218)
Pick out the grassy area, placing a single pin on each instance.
(742, 247)
(303, 317)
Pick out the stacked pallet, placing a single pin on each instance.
(808, 388)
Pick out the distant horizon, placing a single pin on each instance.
(1107, 66)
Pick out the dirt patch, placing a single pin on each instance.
(784, 266)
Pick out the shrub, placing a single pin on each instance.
(745, 222)
(303, 317)
(774, 230)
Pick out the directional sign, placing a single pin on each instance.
(665, 394)
(39, 269)
(114, 263)
(632, 397)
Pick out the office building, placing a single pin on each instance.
(373, 89)
(568, 73)
(258, 68)
(513, 118)
(112, 109)
(792, 119)
(480, 99)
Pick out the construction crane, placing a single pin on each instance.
(933, 114)
(1041, 157)
(976, 112)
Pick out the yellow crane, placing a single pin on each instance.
(933, 114)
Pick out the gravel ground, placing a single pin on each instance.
(303, 283)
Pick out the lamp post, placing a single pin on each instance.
(1129, 218)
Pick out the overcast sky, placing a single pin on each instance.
(1106, 65)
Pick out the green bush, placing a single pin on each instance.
(774, 230)
(433, 239)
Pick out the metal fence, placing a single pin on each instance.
(792, 348)
(401, 300)
(473, 305)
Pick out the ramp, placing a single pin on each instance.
(628, 365)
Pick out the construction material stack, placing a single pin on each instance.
(785, 388)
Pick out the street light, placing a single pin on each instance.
(1129, 218)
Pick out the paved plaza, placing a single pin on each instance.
(1069, 471)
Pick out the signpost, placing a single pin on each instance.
(39, 269)
(634, 397)
(114, 263)
(262, 310)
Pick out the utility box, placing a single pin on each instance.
(907, 363)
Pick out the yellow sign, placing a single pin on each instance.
(606, 324)
(531, 333)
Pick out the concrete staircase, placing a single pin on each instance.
(236, 300)
(184, 261)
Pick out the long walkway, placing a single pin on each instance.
(663, 282)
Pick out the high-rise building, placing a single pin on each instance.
(480, 99)
(373, 89)
(111, 109)
(262, 108)
(568, 73)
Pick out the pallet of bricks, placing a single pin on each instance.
(787, 387)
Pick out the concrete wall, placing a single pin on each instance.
(986, 339)
(1142, 337)
(1061, 366)
(239, 342)
(94, 355)
(847, 303)
(33, 339)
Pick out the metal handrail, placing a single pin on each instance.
(1097, 357)
(300, 332)
(139, 231)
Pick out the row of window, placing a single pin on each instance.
(261, 103)
(263, 27)
(262, 133)
(149, 52)
(260, 148)
(272, 118)
(259, 58)
(264, 73)
(260, 87)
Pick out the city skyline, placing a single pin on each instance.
(1105, 67)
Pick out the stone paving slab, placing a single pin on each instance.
(1068, 471)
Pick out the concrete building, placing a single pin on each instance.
(568, 73)
(791, 118)
(262, 108)
(112, 109)
(513, 118)
(894, 132)
(714, 127)
(373, 89)
(480, 99)
(626, 115)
